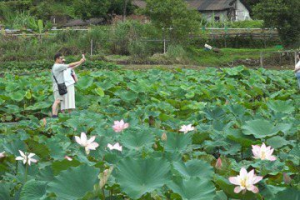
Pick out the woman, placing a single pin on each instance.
(297, 70)
(70, 79)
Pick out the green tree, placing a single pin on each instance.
(283, 15)
(175, 14)
(86, 9)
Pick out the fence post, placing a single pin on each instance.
(261, 59)
(225, 36)
(164, 45)
(91, 47)
(265, 42)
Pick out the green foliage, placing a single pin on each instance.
(193, 188)
(138, 177)
(86, 9)
(74, 183)
(175, 14)
(176, 51)
(235, 24)
(283, 15)
(231, 109)
(34, 190)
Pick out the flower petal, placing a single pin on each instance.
(33, 160)
(83, 138)
(78, 140)
(243, 172)
(110, 146)
(31, 154)
(92, 146)
(237, 189)
(272, 158)
(19, 158)
(254, 189)
(22, 154)
(91, 139)
(256, 179)
(234, 180)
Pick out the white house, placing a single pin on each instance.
(221, 10)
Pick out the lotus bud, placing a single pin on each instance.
(44, 121)
(155, 146)
(286, 178)
(2, 154)
(104, 176)
(164, 137)
(68, 158)
(219, 163)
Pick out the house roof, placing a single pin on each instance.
(201, 5)
(212, 5)
(139, 3)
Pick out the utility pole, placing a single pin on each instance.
(124, 9)
(164, 38)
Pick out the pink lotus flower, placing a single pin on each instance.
(119, 126)
(115, 147)
(263, 152)
(187, 128)
(2, 154)
(27, 158)
(245, 181)
(87, 144)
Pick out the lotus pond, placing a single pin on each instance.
(214, 134)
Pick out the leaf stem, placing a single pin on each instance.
(26, 172)
(103, 193)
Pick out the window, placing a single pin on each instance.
(217, 18)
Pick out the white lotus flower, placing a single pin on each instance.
(87, 144)
(245, 181)
(2, 154)
(115, 146)
(263, 152)
(187, 128)
(27, 158)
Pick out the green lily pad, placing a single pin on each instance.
(277, 142)
(99, 91)
(177, 142)
(281, 106)
(33, 190)
(137, 140)
(74, 183)
(194, 168)
(289, 193)
(259, 128)
(17, 96)
(193, 188)
(140, 176)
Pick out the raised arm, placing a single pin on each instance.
(76, 64)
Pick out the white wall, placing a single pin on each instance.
(242, 13)
(209, 16)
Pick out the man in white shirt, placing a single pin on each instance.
(297, 70)
(58, 72)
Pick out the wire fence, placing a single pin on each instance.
(223, 35)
